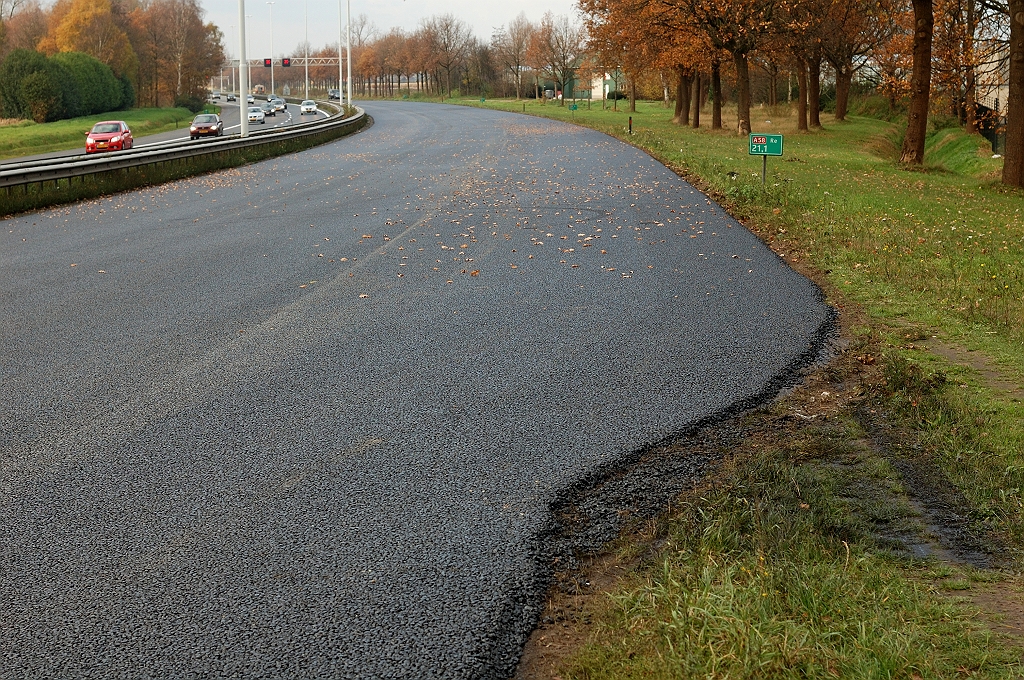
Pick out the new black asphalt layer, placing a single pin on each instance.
(306, 418)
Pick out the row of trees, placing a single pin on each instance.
(443, 57)
(162, 48)
(932, 51)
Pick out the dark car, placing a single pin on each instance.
(268, 109)
(231, 98)
(334, 95)
(206, 125)
(109, 135)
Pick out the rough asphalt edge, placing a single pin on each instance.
(560, 537)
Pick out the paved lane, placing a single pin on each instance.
(305, 418)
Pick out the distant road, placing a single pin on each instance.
(229, 113)
(307, 418)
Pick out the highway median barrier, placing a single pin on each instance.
(39, 184)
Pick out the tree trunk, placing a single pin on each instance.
(696, 100)
(716, 85)
(814, 88)
(632, 95)
(801, 92)
(844, 77)
(920, 84)
(680, 86)
(971, 82)
(1013, 155)
(682, 114)
(742, 92)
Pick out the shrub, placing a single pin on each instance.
(98, 90)
(18, 65)
(67, 85)
(127, 93)
(616, 95)
(191, 102)
(42, 96)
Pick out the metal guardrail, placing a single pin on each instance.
(53, 169)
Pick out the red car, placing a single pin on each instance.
(206, 124)
(110, 135)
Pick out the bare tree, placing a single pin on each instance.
(363, 31)
(511, 46)
(450, 39)
(562, 43)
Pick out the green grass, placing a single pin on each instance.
(774, 573)
(27, 138)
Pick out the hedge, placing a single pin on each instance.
(67, 85)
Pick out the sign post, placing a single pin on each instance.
(765, 145)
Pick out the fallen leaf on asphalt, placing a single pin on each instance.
(363, 295)
(475, 272)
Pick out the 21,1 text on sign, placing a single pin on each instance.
(765, 145)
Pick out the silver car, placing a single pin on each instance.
(307, 106)
(256, 115)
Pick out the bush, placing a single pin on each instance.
(616, 95)
(67, 85)
(97, 89)
(191, 102)
(18, 66)
(42, 95)
(127, 93)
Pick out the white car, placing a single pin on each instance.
(307, 106)
(249, 99)
(279, 104)
(256, 115)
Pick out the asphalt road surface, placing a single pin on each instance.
(229, 114)
(306, 418)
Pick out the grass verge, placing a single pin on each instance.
(23, 138)
(801, 560)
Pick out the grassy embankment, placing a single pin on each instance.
(792, 563)
(25, 138)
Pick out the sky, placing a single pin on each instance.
(483, 16)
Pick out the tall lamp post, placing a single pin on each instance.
(243, 73)
(348, 49)
(272, 90)
(305, 12)
(248, 67)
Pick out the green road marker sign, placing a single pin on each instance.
(765, 145)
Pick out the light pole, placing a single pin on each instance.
(272, 91)
(348, 50)
(248, 69)
(243, 73)
(305, 12)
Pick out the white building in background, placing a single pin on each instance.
(603, 83)
(992, 89)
